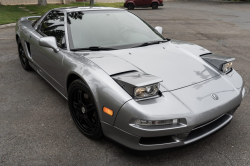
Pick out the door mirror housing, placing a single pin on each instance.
(159, 29)
(49, 42)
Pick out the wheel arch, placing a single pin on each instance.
(154, 2)
(75, 76)
(17, 37)
(72, 77)
(104, 89)
(131, 2)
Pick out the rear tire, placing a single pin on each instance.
(23, 58)
(83, 109)
(155, 5)
(130, 6)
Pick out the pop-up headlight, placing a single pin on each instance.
(226, 67)
(222, 63)
(139, 85)
(146, 91)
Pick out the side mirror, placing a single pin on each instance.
(49, 42)
(159, 29)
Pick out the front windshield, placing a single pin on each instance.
(111, 29)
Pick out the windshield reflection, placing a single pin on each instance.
(112, 29)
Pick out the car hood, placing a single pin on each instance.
(177, 63)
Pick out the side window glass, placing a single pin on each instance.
(53, 25)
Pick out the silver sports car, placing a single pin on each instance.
(124, 80)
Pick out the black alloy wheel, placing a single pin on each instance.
(131, 6)
(83, 109)
(154, 5)
(23, 59)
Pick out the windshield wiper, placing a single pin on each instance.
(151, 43)
(93, 48)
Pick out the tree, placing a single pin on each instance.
(42, 2)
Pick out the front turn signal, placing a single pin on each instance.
(108, 111)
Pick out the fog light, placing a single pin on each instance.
(156, 122)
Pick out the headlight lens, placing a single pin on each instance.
(227, 67)
(146, 91)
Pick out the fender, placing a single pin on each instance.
(105, 90)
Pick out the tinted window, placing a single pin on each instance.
(35, 21)
(53, 25)
(108, 29)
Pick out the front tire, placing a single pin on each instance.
(155, 5)
(131, 6)
(23, 58)
(83, 110)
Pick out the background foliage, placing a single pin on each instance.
(10, 14)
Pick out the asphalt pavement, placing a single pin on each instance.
(35, 123)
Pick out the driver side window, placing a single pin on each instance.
(53, 25)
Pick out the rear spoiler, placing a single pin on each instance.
(29, 17)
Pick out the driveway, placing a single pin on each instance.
(35, 123)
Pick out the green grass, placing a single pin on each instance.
(10, 14)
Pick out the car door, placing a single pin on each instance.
(49, 62)
(142, 2)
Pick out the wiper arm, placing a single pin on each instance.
(151, 43)
(93, 48)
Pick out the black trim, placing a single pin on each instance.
(125, 72)
(156, 140)
(28, 46)
(207, 128)
(208, 122)
(205, 54)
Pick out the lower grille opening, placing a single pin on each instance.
(208, 129)
(204, 124)
(156, 140)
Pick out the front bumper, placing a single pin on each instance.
(169, 141)
(203, 115)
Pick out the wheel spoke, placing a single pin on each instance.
(90, 108)
(88, 121)
(80, 96)
(75, 105)
(81, 119)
